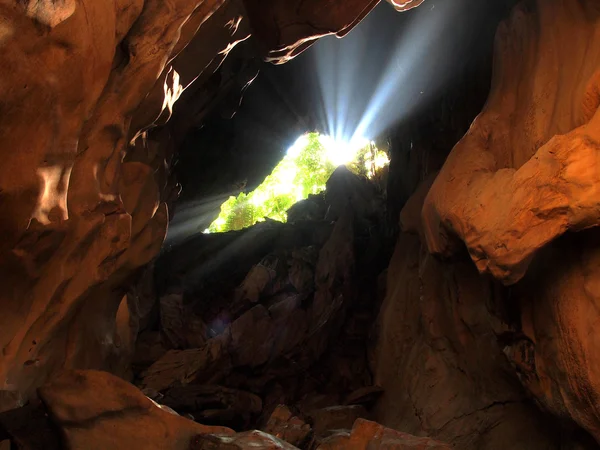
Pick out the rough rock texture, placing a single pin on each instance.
(370, 435)
(404, 5)
(248, 440)
(82, 204)
(527, 172)
(287, 27)
(284, 425)
(528, 169)
(96, 410)
(438, 358)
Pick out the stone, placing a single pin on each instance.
(214, 404)
(336, 418)
(438, 358)
(405, 5)
(256, 440)
(96, 410)
(181, 367)
(285, 29)
(29, 428)
(368, 435)
(255, 283)
(526, 176)
(284, 425)
(251, 337)
(365, 396)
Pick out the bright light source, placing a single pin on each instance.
(297, 147)
(304, 170)
(340, 152)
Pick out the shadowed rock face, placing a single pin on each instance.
(81, 207)
(526, 173)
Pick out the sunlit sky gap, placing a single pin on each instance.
(303, 171)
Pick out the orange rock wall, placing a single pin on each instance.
(81, 209)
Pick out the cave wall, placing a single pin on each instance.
(527, 173)
(518, 197)
(84, 183)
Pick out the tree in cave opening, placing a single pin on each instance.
(303, 171)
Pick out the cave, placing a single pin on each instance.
(300, 224)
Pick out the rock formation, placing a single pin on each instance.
(526, 173)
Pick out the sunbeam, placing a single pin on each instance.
(367, 82)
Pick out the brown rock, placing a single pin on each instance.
(242, 441)
(506, 201)
(438, 358)
(29, 428)
(181, 367)
(364, 396)
(336, 418)
(213, 404)
(96, 410)
(251, 337)
(368, 435)
(284, 425)
(405, 5)
(285, 29)
(255, 283)
(526, 173)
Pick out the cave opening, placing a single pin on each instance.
(302, 174)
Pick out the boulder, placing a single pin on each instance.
(336, 418)
(368, 435)
(97, 411)
(284, 425)
(255, 440)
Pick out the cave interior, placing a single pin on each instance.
(447, 298)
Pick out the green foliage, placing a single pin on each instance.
(303, 171)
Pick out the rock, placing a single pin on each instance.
(348, 190)
(148, 349)
(547, 182)
(336, 418)
(256, 440)
(172, 319)
(278, 24)
(284, 425)
(365, 396)
(450, 379)
(405, 5)
(510, 203)
(251, 338)
(290, 324)
(29, 428)
(311, 209)
(181, 367)
(368, 435)
(96, 410)
(301, 275)
(214, 404)
(255, 283)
